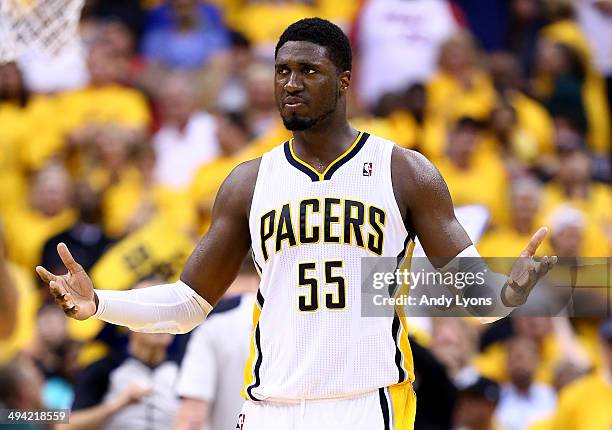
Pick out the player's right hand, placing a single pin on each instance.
(73, 292)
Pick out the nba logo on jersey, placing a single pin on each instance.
(240, 424)
(367, 169)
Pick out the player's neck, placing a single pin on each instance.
(325, 142)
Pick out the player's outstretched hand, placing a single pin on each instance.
(73, 292)
(527, 271)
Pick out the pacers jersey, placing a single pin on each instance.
(309, 231)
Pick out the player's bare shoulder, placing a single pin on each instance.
(415, 178)
(238, 188)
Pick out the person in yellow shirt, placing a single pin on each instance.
(492, 361)
(460, 87)
(573, 185)
(49, 212)
(473, 172)
(134, 199)
(24, 118)
(103, 101)
(505, 240)
(586, 403)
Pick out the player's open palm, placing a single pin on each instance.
(527, 271)
(73, 291)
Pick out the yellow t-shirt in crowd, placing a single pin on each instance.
(26, 232)
(156, 248)
(485, 182)
(29, 136)
(111, 103)
(28, 303)
(449, 98)
(492, 362)
(534, 118)
(586, 404)
(122, 201)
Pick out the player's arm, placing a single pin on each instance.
(178, 307)
(421, 191)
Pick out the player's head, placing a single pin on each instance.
(312, 73)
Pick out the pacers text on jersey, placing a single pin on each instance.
(356, 224)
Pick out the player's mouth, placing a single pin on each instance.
(294, 103)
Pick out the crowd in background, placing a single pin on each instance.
(118, 151)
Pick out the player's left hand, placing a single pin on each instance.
(527, 271)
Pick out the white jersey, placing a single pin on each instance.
(309, 232)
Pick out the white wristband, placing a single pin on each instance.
(493, 280)
(169, 308)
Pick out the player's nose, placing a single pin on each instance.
(294, 83)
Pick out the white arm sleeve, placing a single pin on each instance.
(169, 308)
(493, 280)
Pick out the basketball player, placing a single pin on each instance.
(310, 209)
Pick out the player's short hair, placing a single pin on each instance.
(323, 33)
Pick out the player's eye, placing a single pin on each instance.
(282, 70)
(310, 71)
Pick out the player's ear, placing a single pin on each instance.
(345, 81)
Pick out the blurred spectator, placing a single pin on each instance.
(261, 114)
(475, 407)
(29, 134)
(585, 403)
(85, 239)
(133, 390)
(523, 401)
(136, 199)
(49, 212)
(555, 343)
(54, 353)
(187, 36)
(573, 185)
(212, 371)
(453, 343)
(397, 43)
(531, 121)
(103, 101)
(460, 87)
(187, 138)
(474, 174)
(509, 240)
(565, 72)
(21, 385)
(233, 134)
(122, 40)
(234, 64)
